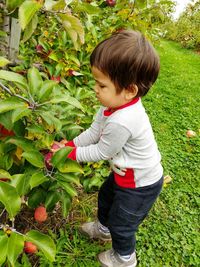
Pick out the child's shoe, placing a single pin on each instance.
(110, 258)
(95, 230)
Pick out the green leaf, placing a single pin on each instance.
(6, 161)
(51, 199)
(46, 90)
(51, 120)
(68, 99)
(35, 158)
(141, 4)
(68, 188)
(36, 196)
(66, 202)
(88, 8)
(6, 120)
(44, 243)
(60, 155)
(21, 142)
(21, 183)
(10, 104)
(37, 179)
(15, 247)
(19, 113)
(12, 4)
(36, 129)
(69, 166)
(27, 10)
(34, 81)
(68, 177)
(5, 174)
(74, 28)
(30, 28)
(10, 199)
(3, 61)
(13, 77)
(3, 248)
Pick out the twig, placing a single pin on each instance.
(12, 94)
(2, 212)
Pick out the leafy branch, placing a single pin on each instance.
(12, 94)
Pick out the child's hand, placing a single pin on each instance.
(117, 170)
(58, 145)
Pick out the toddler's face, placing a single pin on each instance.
(106, 91)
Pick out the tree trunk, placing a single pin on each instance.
(14, 40)
(9, 43)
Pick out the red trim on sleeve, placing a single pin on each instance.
(126, 181)
(72, 154)
(70, 143)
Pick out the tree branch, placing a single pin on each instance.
(12, 94)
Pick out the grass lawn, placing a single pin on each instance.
(169, 236)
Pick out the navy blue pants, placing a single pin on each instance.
(122, 210)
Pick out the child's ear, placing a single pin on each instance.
(131, 91)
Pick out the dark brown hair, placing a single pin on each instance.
(127, 58)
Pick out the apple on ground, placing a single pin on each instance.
(30, 248)
(190, 133)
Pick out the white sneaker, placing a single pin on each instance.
(92, 230)
(110, 258)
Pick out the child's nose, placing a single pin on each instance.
(96, 89)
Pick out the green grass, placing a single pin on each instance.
(169, 236)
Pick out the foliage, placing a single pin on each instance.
(33, 113)
(170, 234)
(48, 97)
(186, 29)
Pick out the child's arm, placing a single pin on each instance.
(92, 134)
(112, 140)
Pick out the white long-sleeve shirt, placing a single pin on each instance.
(125, 138)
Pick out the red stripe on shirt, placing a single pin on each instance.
(127, 181)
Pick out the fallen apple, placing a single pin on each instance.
(190, 133)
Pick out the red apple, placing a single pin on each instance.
(190, 133)
(56, 79)
(30, 248)
(5, 132)
(40, 214)
(111, 2)
(47, 159)
(70, 72)
(55, 146)
(39, 49)
(4, 179)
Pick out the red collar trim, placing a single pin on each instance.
(110, 111)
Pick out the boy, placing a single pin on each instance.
(124, 67)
